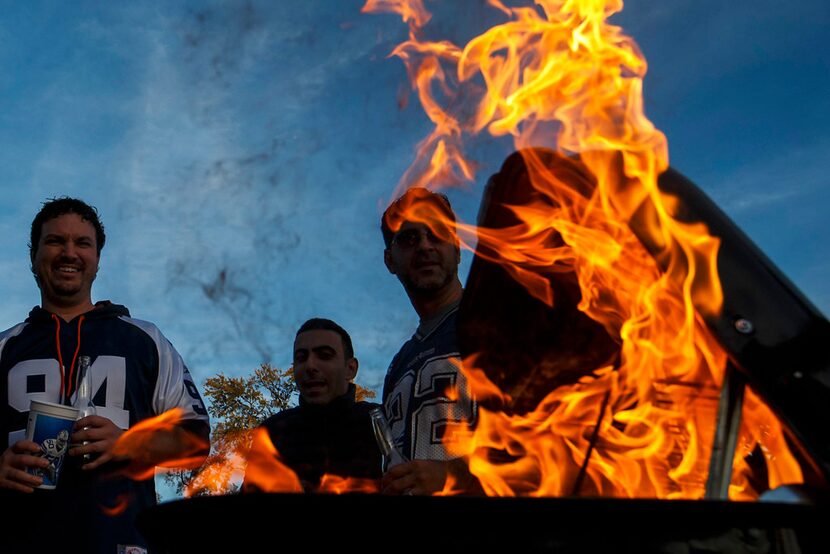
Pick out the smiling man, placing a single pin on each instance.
(329, 432)
(135, 374)
(65, 263)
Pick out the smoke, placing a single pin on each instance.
(267, 205)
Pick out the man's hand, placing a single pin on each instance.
(418, 477)
(100, 435)
(427, 477)
(13, 464)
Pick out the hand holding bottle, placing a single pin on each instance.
(383, 435)
(84, 399)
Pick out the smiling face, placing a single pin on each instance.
(321, 369)
(66, 261)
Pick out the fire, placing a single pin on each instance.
(412, 11)
(224, 468)
(122, 502)
(265, 470)
(335, 484)
(144, 445)
(641, 423)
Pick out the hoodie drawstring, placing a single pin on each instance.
(66, 384)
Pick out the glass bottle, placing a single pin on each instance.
(383, 435)
(84, 399)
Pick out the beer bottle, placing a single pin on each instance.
(84, 399)
(383, 435)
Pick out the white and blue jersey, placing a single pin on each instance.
(425, 395)
(135, 374)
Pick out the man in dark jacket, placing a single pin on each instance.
(329, 433)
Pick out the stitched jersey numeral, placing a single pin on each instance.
(107, 372)
(435, 413)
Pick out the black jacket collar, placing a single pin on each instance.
(103, 310)
(339, 404)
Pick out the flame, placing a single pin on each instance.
(251, 455)
(644, 425)
(121, 504)
(761, 435)
(224, 468)
(265, 470)
(335, 484)
(146, 443)
(412, 11)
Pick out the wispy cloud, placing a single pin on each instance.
(241, 153)
(788, 177)
(250, 210)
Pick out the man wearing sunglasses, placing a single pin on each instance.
(425, 396)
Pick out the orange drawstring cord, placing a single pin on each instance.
(58, 348)
(74, 359)
(66, 384)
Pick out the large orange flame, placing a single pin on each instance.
(642, 427)
(265, 470)
(224, 468)
(147, 443)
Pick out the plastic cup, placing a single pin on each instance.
(50, 426)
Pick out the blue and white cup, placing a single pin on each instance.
(50, 426)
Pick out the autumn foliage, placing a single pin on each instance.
(237, 405)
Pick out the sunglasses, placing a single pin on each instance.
(412, 237)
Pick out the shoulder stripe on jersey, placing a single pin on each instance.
(171, 390)
(10, 333)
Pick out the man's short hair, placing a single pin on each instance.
(322, 324)
(395, 214)
(56, 207)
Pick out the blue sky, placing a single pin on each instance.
(241, 153)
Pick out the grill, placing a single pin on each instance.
(242, 523)
(776, 342)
